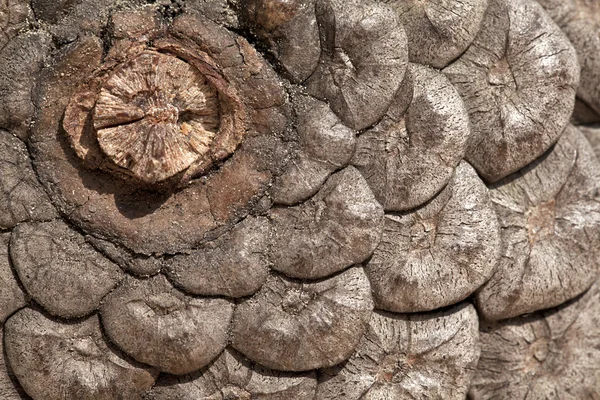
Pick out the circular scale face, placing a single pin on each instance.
(298, 199)
(155, 116)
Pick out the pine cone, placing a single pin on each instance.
(299, 199)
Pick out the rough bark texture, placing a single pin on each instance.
(518, 80)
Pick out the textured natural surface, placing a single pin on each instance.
(518, 80)
(59, 270)
(440, 253)
(363, 59)
(162, 327)
(439, 31)
(76, 361)
(340, 226)
(155, 116)
(234, 265)
(406, 356)
(11, 296)
(411, 154)
(550, 354)
(23, 198)
(14, 15)
(580, 20)
(299, 199)
(233, 377)
(325, 145)
(549, 215)
(294, 326)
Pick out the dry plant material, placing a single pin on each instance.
(338, 227)
(363, 59)
(56, 361)
(59, 270)
(160, 326)
(21, 61)
(583, 114)
(438, 254)
(233, 265)
(547, 355)
(51, 10)
(424, 356)
(155, 116)
(135, 264)
(292, 326)
(15, 15)
(326, 145)
(219, 11)
(9, 387)
(592, 134)
(232, 376)
(518, 81)
(179, 213)
(439, 31)
(66, 20)
(289, 29)
(549, 215)
(411, 154)
(11, 296)
(580, 21)
(22, 198)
